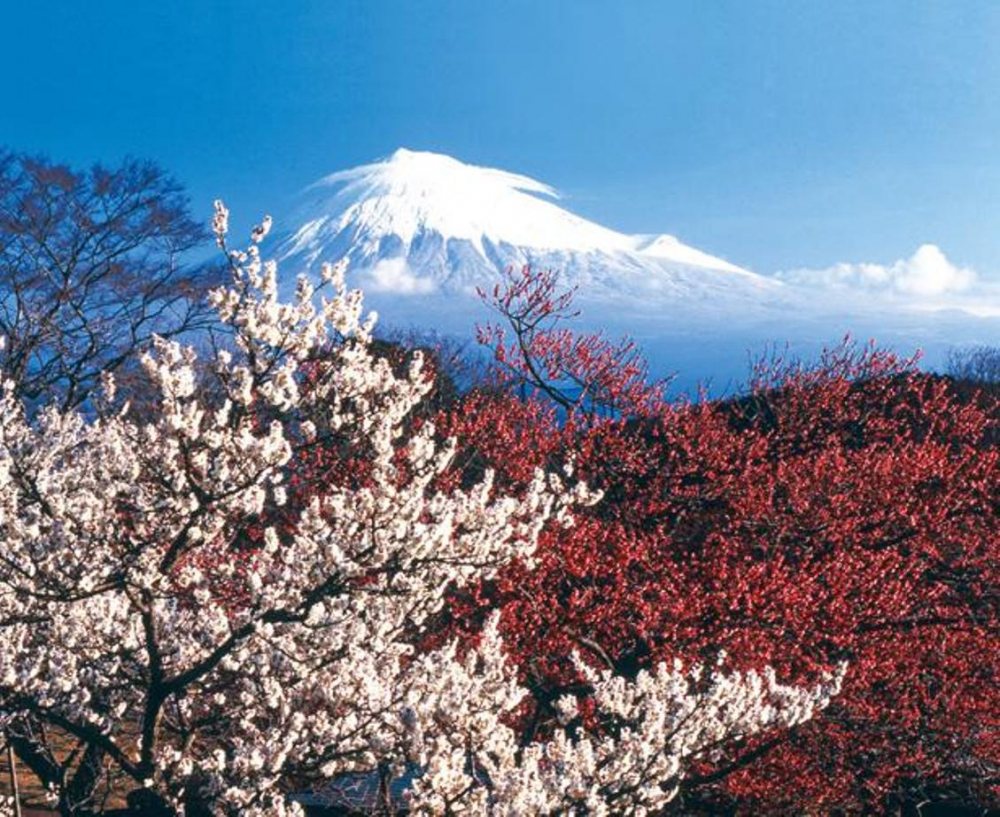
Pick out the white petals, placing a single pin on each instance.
(261, 230)
(220, 222)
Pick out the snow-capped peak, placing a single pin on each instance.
(413, 191)
(453, 225)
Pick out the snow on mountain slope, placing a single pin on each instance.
(419, 223)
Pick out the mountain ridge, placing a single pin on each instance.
(442, 225)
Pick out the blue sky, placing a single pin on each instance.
(776, 134)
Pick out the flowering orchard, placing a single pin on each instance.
(243, 589)
(841, 513)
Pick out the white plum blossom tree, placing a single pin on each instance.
(138, 640)
(652, 728)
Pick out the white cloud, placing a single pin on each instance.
(394, 275)
(925, 274)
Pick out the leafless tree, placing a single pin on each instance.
(91, 264)
(980, 364)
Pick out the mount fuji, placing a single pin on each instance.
(422, 223)
(422, 231)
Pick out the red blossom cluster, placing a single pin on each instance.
(844, 511)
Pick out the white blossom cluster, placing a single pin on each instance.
(651, 728)
(129, 623)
